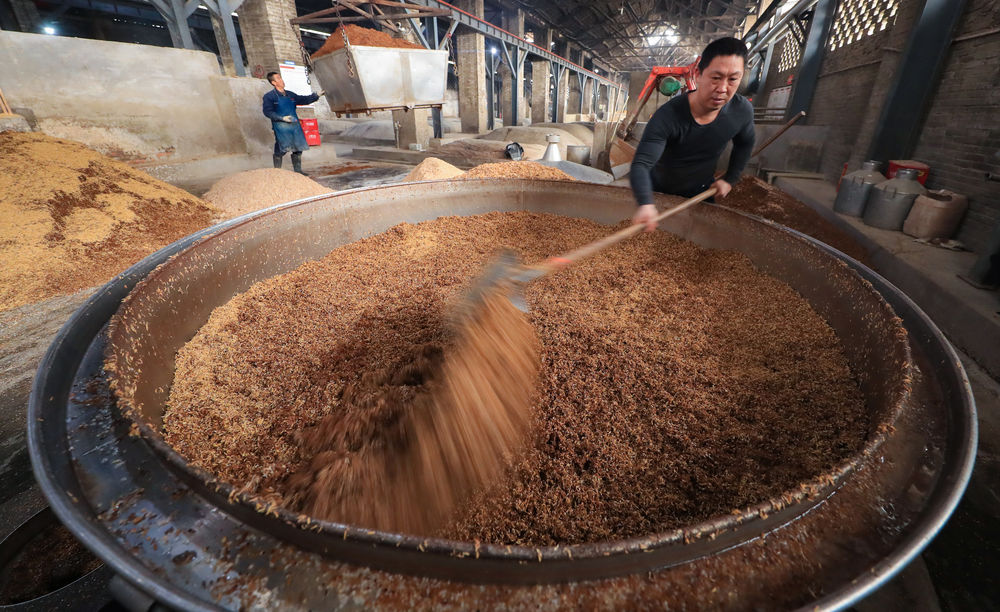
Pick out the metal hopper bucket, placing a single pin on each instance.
(378, 78)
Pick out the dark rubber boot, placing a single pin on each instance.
(297, 163)
(277, 160)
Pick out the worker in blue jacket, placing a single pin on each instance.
(279, 106)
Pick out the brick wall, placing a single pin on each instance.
(776, 77)
(892, 51)
(847, 78)
(961, 132)
(268, 37)
(839, 104)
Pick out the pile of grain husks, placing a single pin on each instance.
(517, 170)
(677, 383)
(432, 169)
(244, 192)
(71, 218)
(759, 198)
(363, 37)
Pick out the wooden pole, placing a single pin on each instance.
(4, 107)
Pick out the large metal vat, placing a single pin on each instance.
(363, 78)
(194, 543)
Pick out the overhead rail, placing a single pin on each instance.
(767, 36)
(488, 29)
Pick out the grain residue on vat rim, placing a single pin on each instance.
(677, 383)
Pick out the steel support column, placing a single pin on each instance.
(515, 61)
(519, 58)
(557, 75)
(438, 129)
(768, 56)
(492, 61)
(176, 13)
(224, 9)
(500, 34)
(778, 27)
(759, 78)
(916, 79)
(812, 57)
(588, 95)
(418, 30)
(446, 43)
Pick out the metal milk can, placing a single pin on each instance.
(856, 187)
(889, 203)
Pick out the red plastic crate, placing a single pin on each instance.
(309, 125)
(312, 138)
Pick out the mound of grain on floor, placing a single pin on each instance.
(71, 218)
(759, 198)
(432, 169)
(474, 152)
(517, 170)
(363, 37)
(533, 135)
(244, 192)
(676, 384)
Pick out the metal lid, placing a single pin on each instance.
(871, 165)
(907, 173)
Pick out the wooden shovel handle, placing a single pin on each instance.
(561, 261)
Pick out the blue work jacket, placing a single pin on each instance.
(287, 136)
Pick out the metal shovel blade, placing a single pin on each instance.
(504, 275)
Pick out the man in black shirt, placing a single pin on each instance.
(685, 137)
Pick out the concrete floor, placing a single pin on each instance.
(955, 573)
(198, 176)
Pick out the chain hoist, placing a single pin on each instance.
(347, 44)
(306, 58)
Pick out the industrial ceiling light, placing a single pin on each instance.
(49, 30)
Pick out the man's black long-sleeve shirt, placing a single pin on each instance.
(678, 156)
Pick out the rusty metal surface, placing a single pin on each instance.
(139, 506)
